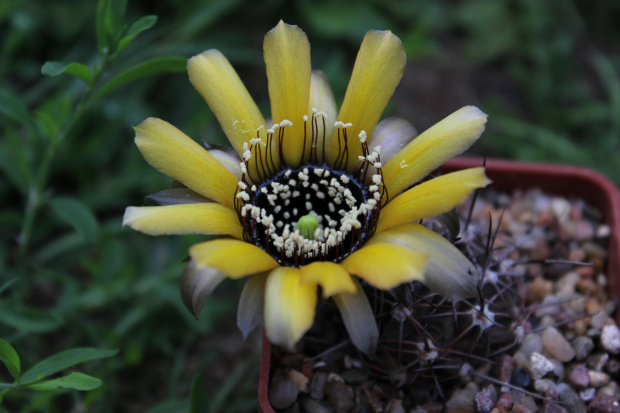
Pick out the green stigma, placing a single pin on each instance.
(307, 225)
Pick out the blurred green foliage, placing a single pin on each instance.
(74, 77)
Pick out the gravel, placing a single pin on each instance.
(566, 357)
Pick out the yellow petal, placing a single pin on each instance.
(446, 139)
(287, 57)
(378, 69)
(207, 218)
(332, 277)
(322, 99)
(432, 197)
(289, 306)
(234, 258)
(449, 273)
(220, 86)
(173, 153)
(385, 266)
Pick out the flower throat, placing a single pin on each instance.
(343, 208)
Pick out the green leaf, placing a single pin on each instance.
(48, 126)
(198, 399)
(114, 20)
(142, 24)
(63, 360)
(13, 107)
(75, 380)
(51, 68)
(7, 284)
(78, 215)
(61, 245)
(28, 320)
(9, 357)
(102, 39)
(109, 24)
(167, 64)
(5, 386)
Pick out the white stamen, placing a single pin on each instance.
(362, 136)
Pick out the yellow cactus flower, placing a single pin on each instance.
(314, 198)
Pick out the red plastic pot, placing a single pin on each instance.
(569, 181)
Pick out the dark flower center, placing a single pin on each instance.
(345, 211)
(315, 212)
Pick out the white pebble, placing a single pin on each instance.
(610, 338)
(539, 365)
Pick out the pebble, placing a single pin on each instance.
(505, 367)
(587, 394)
(317, 385)
(598, 378)
(519, 408)
(309, 405)
(599, 320)
(531, 343)
(463, 399)
(541, 288)
(610, 338)
(528, 402)
(558, 368)
(520, 378)
(283, 394)
(543, 385)
(355, 376)
(571, 401)
(505, 402)
(612, 389)
(294, 408)
(539, 365)
(613, 366)
(485, 400)
(396, 406)
(552, 408)
(555, 343)
(597, 361)
(579, 378)
(340, 396)
(300, 379)
(604, 403)
(582, 346)
(550, 305)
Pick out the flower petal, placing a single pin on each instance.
(215, 79)
(446, 139)
(432, 197)
(234, 258)
(205, 218)
(175, 196)
(378, 69)
(322, 99)
(385, 266)
(392, 135)
(287, 57)
(449, 273)
(359, 320)
(197, 284)
(251, 304)
(230, 160)
(171, 152)
(289, 306)
(333, 278)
